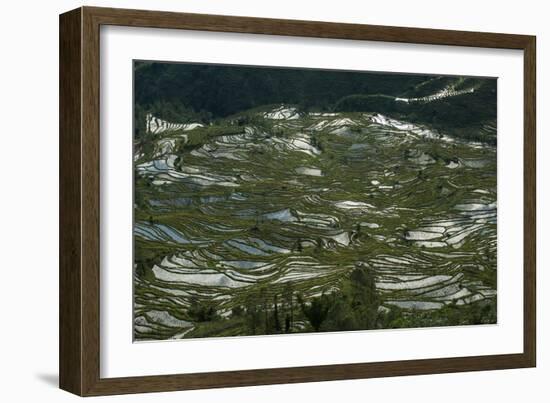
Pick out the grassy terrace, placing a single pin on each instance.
(276, 220)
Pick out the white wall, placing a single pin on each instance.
(29, 202)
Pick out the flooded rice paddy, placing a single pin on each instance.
(296, 201)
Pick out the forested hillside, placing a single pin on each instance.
(198, 92)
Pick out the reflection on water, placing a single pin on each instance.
(259, 209)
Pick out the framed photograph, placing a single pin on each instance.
(249, 201)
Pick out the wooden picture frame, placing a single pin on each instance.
(79, 348)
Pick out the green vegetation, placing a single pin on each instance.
(195, 92)
(342, 209)
(223, 90)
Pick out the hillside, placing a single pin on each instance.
(275, 220)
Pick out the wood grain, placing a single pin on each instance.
(80, 200)
(70, 270)
(530, 203)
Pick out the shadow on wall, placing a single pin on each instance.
(49, 379)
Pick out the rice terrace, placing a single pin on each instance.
(275, 200)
